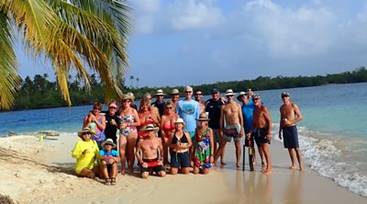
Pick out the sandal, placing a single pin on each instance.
(113, 181)
(107, 181)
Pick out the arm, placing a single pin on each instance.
(86, 121)
(280, 124)
(77, 151)
(160, 147)
(101, 125)
(240, 116)
(221, 121)
(139, 153)
(298, 113)
(137, 119)
(189, 140)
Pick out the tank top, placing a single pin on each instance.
(183, 139)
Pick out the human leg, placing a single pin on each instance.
(237, 144)
(130, 150)
(292, 153)
(267, 157)
(299, 159)
(122, 152)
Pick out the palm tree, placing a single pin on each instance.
(131, 81)
(73, 34)
(137, 82)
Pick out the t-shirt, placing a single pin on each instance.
(213, 108)
(111, 130)
(160, 106)
(88, 159)
(248, 112)
(113, 153)
(189, 111)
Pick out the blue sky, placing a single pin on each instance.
(178, 42)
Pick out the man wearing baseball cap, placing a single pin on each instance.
(290, 115)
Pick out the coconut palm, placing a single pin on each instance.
(74, 35)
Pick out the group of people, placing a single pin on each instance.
(188, 135)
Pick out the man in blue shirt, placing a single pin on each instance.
(189, 111)
(248, 108)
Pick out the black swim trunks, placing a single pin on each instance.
(249, 142)
(260, 136)
(290, 137)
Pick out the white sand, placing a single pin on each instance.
(42, 172)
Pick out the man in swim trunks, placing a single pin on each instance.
(290, 115)
(262, 131)
(231, 121)
(150, 153)
(213, 107)
(159, 103)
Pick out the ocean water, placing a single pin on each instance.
(333, 134)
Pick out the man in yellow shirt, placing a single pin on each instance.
(85, 152)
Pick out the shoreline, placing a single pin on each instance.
(28, 176)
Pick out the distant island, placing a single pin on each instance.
(40, 92)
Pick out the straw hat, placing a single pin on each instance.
(86, 130)
(175, 92)
(180, 120)
(159, 93)
(203, 117)
(109, 141)
(229, 92)
(150, 127)
(131, 95)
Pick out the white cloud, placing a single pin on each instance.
(194, 14)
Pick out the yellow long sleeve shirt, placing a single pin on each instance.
(85, 153)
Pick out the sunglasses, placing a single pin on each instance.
(112, 107)
(255, 99)
(128, 101)
(188, 91)
(169, 107)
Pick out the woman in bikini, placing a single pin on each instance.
(203, 148)
(128, 133)
(97, 122)
(147, 115)
(180, 144)
(167, 127)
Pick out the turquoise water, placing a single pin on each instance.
(333, 134)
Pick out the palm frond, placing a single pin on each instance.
(9, 79)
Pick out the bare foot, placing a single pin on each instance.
(123, 171)
(301, 168)
(292, 167)
(238, 165)
(267, 173)
(223, 163)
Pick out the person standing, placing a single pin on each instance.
(213, 107)
(189, 111)
(113, 122)
(199, 98)
(159, 103)
(248, 108)
(262, 131)
(175, 96)
(290, 115)
(128, 133)
(167, 127)
(231, 121)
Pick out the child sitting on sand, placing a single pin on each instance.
(108, 161)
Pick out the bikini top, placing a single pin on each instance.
(168, 126)
(183, 139)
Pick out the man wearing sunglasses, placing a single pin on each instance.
(189, 111)
(113, 122)
(231, 121)
(199, 98)
(262, 125)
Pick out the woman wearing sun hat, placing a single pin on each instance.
(128, 132)
(85, 152)
(180, 144)
(203, 146)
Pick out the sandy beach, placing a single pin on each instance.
(33, 171)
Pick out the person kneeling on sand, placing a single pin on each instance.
(108, 161)
(150, 153)
(86, 153)
(180, 144)
(203, 150)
